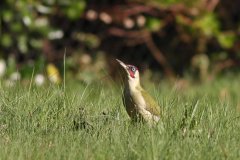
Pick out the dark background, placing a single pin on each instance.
(171, 37)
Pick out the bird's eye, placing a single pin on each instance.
(133, 69)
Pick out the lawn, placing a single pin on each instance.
(83, 121)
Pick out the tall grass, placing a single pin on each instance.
(201, 122)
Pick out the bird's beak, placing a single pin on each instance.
(122, 64)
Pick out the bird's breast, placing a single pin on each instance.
(135, 96)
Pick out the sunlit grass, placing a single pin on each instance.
(202, 122)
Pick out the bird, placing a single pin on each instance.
(137, 102)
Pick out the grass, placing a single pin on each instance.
(82, 121)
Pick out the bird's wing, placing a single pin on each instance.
(151, 104)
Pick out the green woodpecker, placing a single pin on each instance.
(136, 100)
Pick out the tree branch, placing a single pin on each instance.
(158, 54)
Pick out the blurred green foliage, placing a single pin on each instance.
(209, 25)
(29, 28)
(153, 24)
(25, 24)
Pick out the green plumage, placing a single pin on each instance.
(131, 102)
(151, 104)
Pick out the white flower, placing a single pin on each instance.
(128, 23)
(106, 18)
(27, 21)
(92, 15)
(56, 34)
(2, 67)
(141, 20)
(39, 79)
(15, 76)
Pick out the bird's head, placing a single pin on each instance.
(132, 71)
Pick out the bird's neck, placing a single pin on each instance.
(133, 83)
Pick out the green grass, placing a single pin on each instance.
(38, 123)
